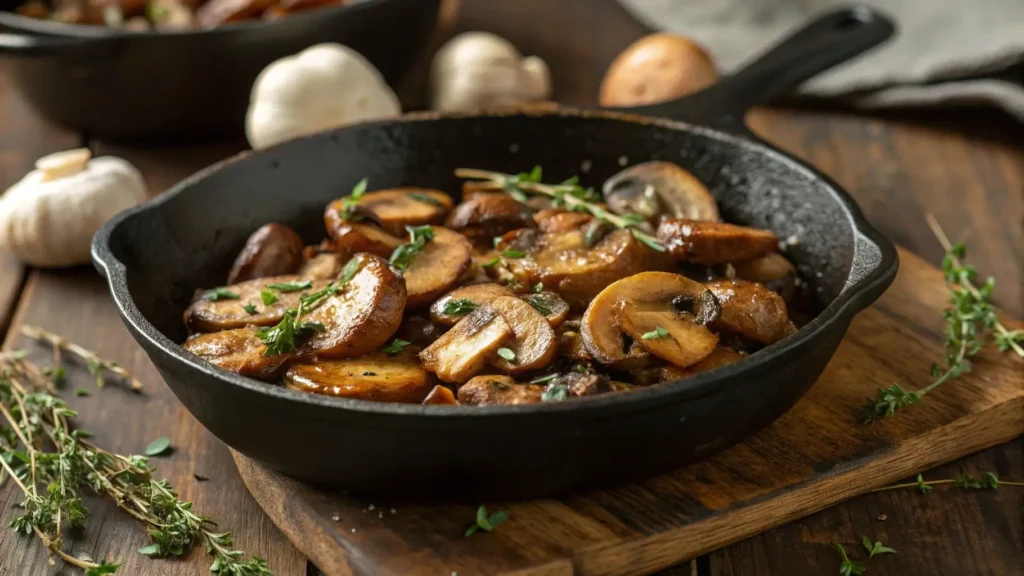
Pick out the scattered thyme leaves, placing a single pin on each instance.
(486, 522)
(555, 392)
(81, 392)
(544, 379)
(847, 567)
(988, 481)
(539, 305)
(875, 548)
(158, 446)
(507, 354)
(349, 203)
(395, 346)
(268, 297)
(425, 199)
(513, 254)
(459, 307)
(402, 257)
(249, 308)
(492, 262)
(294, 286)
(655, 334)
(218, 294)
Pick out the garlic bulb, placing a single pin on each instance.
(48, 218)
(322, 87)
(477, 70)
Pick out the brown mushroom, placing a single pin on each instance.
(465, 350)
(378, 376)
(499, 390)
(441, 395)
(454, 306)
(362, 316)
(660, 189)
(435, 270)
(657, 68)
(219, 309)
(773, 270)
(240, 351)
(720, 356)
(321, 266)
(396, 208)
(534, 345)
(563, 262)
(751, 310)
(485, 216)
(570, 345)
(665, 314)
(272, 250)
(712, 243)
(559, 220)
(349, 236)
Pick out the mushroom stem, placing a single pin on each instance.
(63, 164)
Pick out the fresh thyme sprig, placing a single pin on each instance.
(969, 317)
(847, 567)
(39, 449)
(486, 522)
(94, 363)
(349, 203)
(569, 194)
(988, 481)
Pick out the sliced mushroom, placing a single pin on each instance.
(570, 345)
(438, 268)
(751, 310)
(240, 351)
(361, 317)
(485, 216)
(559, 220)
(713, 243)
(378, 376)
(351, 237)
(454, 306)
(636, 307)
(720, 356)
(551, 305)
(441, 395)
(499, 390)
(660, 189)
(220, 310)
(773, 270)
(580, 384)
(272, 250)
(321, 266)
(465, 350)
(563, 262)
(534, 345)
(396, 208)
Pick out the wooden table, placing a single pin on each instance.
(967, 168)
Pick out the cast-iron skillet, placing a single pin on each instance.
(156, 255)
(195, 83)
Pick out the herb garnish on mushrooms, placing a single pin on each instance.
(219, 294)
(418, 238)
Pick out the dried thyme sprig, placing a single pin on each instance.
(94, 363)
(569, 194)
(969, 316)
(39, 449)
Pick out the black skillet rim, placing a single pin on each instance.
(851, 300)
(19, 23)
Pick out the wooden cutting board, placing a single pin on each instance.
(816, 455)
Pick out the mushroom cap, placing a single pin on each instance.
(660, 189)
(657, 68)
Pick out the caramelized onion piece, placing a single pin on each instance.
(751, 310)
(641, 304)
(660, 189)
(240, 351)
(378, 376)
(272, 250)
(363, 315)
(713, 243)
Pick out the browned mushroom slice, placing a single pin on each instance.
(322, 266)
(559, 220)
(485, 216)
(351, 237)
(534, 345)
(272, 250)
(564, 263)
(551, 305)
(465, 350)
(665, 314)
(656, 189)
(580, 384)
(378, 376)
(396, 208)
(714, 242)
(454, 306)
(363, 315)
(773, 270)
(229, 307)
(441, 395)
(720, 356)
(570, 345)
(751, 310)
(499, 390)
(240, 351)
(438, 267)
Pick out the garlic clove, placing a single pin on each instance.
(62, 164)
(537, 78)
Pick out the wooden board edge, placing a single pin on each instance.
(978, 431)
(300, 523)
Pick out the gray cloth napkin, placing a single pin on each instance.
(946, 52)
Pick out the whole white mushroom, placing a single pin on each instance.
(477, 70)
(49, 217)
(322, 87)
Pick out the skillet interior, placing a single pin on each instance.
(187, 238)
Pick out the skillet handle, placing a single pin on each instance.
(830, 39)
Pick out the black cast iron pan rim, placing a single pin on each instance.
(848, 302)
(19, 23)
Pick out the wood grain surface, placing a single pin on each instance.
(816, 455)
(966, 167)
